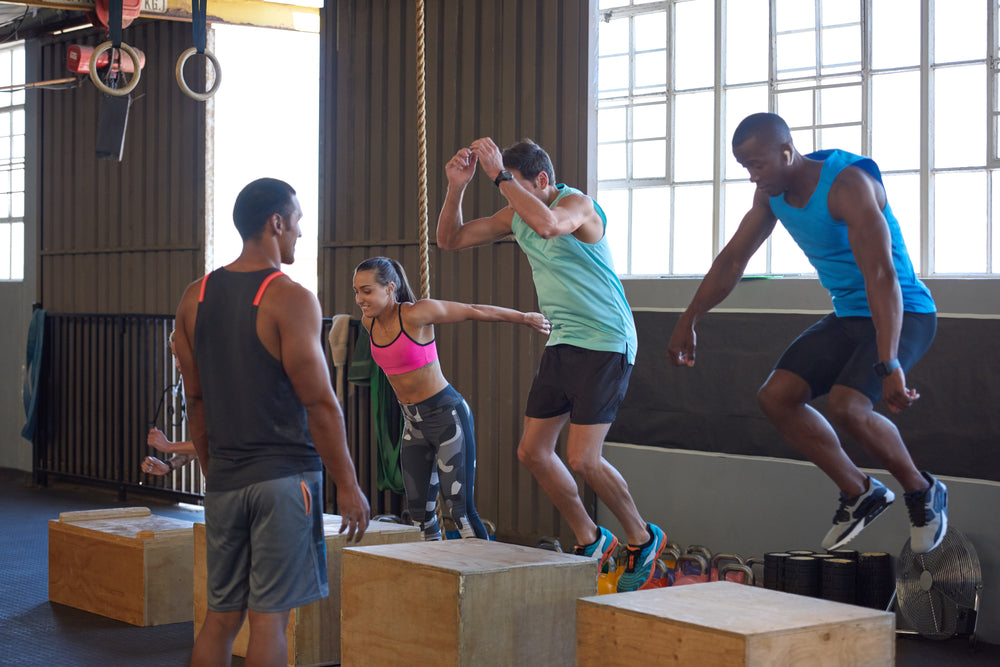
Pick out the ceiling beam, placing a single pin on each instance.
(235, 12)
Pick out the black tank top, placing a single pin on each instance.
(257, 427)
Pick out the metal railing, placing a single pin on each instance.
(106, 379)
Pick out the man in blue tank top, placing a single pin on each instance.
(834, 205)
(264, 420)
(585, 369)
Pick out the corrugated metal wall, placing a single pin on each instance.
(122, 237)
(506, 69)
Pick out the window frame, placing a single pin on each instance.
(12, 165)
(863, 76)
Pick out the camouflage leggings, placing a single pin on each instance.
(439, 453)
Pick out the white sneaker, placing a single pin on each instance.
(928, 515)
(855, 513)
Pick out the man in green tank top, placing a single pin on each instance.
(584, 372)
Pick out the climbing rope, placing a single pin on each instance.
(425, 269)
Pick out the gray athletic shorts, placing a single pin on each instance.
(265, 548)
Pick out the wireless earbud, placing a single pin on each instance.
(788, 157)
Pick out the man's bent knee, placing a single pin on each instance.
(585, 465)
(848, 408)
(528, 455)
(782, 390)
(224, 624)
(770, 400)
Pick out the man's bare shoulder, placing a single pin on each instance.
(576, 199)
(284, 297)
(189, 300)
(853, 176)
(854, 188)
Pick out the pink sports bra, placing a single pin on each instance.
(403, 354)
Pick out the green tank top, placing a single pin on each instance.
(578, 289)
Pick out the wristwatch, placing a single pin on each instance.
(884, 369)
(503, 176)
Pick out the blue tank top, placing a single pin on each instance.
(257, 427)
(824, 241)
(578, 289)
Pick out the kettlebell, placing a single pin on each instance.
(549, 544)
(607, 582)
(663, 575)
(720, 559)
(692, 569)
(670, 554)
(737, 573)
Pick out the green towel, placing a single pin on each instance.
(387, 417)
(360, 370)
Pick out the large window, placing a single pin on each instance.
(911, 83)
(284, 132)
(12, 162)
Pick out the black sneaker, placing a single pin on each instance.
(855, 513)
(928, 515)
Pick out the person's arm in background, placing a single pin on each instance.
(453, 233)
(158, 441)
(433, 311)
(154, 466)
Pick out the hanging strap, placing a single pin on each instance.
(199, 34)
(115, 45)
(115, 11)
(199, 24)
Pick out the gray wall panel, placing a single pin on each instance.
(129, 236)
(506, 69)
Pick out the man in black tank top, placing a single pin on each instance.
(264, 420)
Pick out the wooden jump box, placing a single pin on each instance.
(724, 623)
(461, 602)
(126, 563)
(313, 632)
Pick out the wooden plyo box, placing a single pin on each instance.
(313, 632)
(461, 602)
(125, 563)
(725, 623)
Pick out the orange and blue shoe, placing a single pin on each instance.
(601, 548)
(642, 561)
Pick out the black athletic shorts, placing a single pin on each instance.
(843, 350)
(588, 384)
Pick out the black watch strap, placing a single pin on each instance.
(884, 369)
(503, 176)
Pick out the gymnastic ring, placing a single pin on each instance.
(136, 70)
(179, 73)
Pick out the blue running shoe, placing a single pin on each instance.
(928, 515)
(856, 513)
(601, 548)
(641, 561)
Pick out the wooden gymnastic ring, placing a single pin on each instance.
(179, 73)
(136, 70)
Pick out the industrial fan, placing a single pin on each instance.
(938, 592)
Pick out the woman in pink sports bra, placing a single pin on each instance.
(438, 449)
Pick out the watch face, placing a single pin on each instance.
(885, 368)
